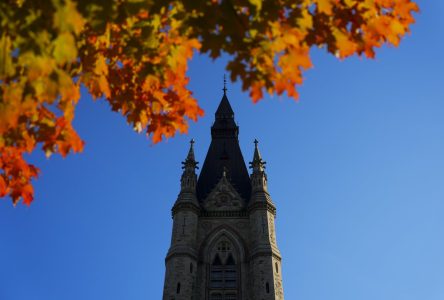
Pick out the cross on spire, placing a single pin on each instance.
(225, 85)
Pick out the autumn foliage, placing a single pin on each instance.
(134, 54)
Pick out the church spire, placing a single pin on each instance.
(224, 152)
(258, 177)
(224, 111)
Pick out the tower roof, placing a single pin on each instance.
(224, 154)
(224, 109)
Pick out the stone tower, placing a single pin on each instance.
(223, 244)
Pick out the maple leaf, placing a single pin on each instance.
(135, 55)
(64, 48)
(325, 6)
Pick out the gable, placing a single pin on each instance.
(224, 197)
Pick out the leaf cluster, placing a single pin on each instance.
(135, 54)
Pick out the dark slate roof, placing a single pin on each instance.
(224, 152)
(224, 109)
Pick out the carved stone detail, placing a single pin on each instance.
(271, 229)
(224, 197)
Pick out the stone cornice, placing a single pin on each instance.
(185, 205)
(267, 253)
(180, 252)
(262, 206)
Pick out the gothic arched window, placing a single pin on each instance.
(223, 283)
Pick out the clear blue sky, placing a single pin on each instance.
(356, 169)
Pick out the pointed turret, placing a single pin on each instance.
(258, 165)
(188, 181)
(183, 240)
(190, 156)
(259, 189)
(258, 177)
(264, 250)
(224, 152)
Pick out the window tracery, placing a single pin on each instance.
(223, 281)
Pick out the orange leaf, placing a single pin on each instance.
(256, 92)
(3, 187)
(325, 6)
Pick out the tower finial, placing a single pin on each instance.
(225, 85)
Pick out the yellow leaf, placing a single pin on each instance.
(257, 4)
(325, 6)
(68, 90)
(253, 32)
(101, 67)
(65, 50)
(344, 45)
(6, 66)
(10, 107)
(38, 66)
(397, 30)
(104, 86)
(67, 18)
(306, 22)
(350, 3)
